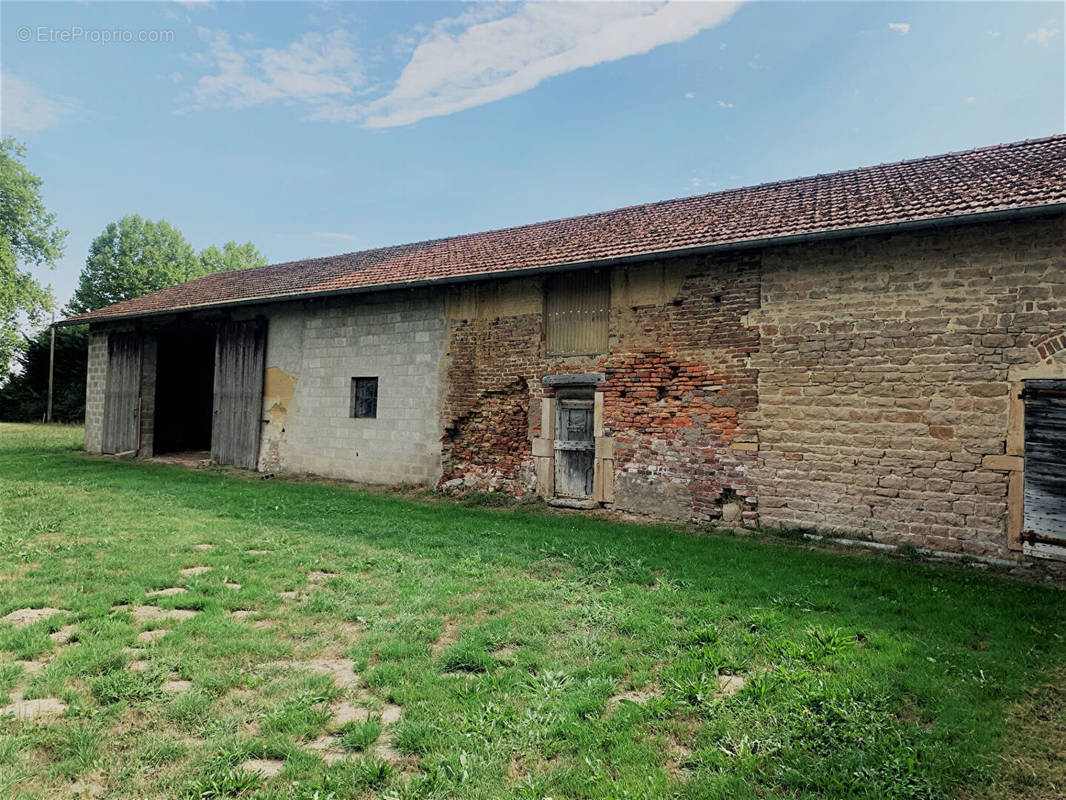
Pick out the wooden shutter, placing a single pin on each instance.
(1045, 462)
(123, 393)
(576, 313)
(240, 353)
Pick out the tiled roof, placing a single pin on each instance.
(1011, 176)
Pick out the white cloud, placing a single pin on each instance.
(23, 109)
(1042, 36)
(690, 95)
(994, 34)
(332, 235)
(724, 104)
(902, 28)
(490, 60)
(971, 100)
(694, 182)
(315, 67)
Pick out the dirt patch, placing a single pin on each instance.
(21, 617)
(384, 750)
(289, 595)
(32, 710)
(503, 653)
(446, 639)
(342, 712)
(263, 624)
(138, 666)
(729, 685)
(168, 592)
(341, 670)
(144, 614)
(257, 552)
(231, 585)
(204, 547)
(318, 576)
(92, 785)
(241, 613)
(390, 714)
(638, 696)
(194, 570)
(678, 756)
(176, 686)
(267, 767)
(151, 637)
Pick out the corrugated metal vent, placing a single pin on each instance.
(1045, 463)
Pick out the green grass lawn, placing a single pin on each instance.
(351, 643)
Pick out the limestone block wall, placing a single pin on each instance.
(315, 348)
(885, 375)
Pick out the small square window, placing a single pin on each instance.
(365, 397)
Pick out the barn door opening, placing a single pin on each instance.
(240, 354)
(575, 447)
(122, 394)
(184, 395)
(1045, 465)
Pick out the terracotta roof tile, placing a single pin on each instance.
(1011, 176)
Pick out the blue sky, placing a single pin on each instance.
(318, 128)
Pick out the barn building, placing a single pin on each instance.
(878, 353)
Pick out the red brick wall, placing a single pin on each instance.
(677, 399)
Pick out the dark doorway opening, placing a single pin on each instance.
(184, 395)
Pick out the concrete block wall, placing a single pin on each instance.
(95, 386)
(885, 379)
(315, 348)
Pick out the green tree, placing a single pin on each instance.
(232, 256)
(28, 237)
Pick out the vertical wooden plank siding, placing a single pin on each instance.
(576, 312)
(240, 353)
(574, 449)
(122, 393)
(1045, 461)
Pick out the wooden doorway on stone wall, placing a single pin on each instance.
(575, 447)
(1044, 529)
(122, 394)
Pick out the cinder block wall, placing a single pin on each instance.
(95, 385)
(315, 348)
(884, 377)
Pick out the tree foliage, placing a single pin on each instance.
(29, 237)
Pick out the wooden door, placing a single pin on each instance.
(574, 448)
(240, 353)
(1045, 463)
(122, 393)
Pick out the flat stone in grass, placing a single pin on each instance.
(267, 767)
(204, 546)
(257, 552)
(63, 635)
(318, 576)
(138, 666)
(289, 595)
(241, 613)
(32, 710)
(194, 570)
(34, 667)
(169, 591)
(342, 712)
(327, 749)
(729, 685)
(341, 670)
(155, 613)
(385, 751)
(231, 585)
(21, 617)
(390, 714)
(175, 686)
(638, 696)
(150, 637)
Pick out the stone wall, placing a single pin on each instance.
(95, 386)
(676, 398)
(884, 376)
(315, 348)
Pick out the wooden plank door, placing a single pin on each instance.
(1045, 463)
(574, 448)
(122, 393)
(240, 353)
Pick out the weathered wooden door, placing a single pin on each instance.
(122, 393)
(1045, 463)
(240, 352)
(574, 448)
